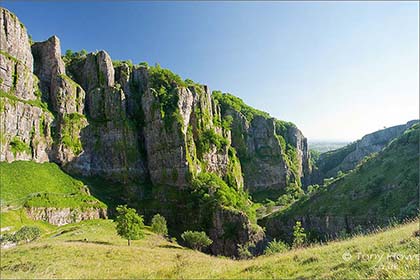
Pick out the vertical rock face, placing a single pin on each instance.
(268, 169)
(15, 58)
(166, 147)
(14, 40)
(24, 131)
(111, 142)
(65, 96)
(230, 229)
(295, 137)
(25, 126)
(64, 216)
(172, 151)
(48, 63)
(273, 154)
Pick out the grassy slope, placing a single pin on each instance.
(384, 186)
(105, 255)
(23, 178)
(20, 183)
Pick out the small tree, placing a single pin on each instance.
(196, 239)
(159, 225)
(299, 235)
(129, 224)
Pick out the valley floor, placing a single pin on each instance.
(91, 249)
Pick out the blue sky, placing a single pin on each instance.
(338, 70)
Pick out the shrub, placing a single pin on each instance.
(285, 200)
(18, 146)
(229, 101)
(313, 188)
(159, 225)
(27, 234)
(227, 122)
(7, 237)
(129, 224)
(165, 84)
(210, 137)
(212, 190)
(243, 251)
(270, 206)
(299, 235)
(196, 239)
(275, 247)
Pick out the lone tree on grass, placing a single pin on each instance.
(196, 239)
(159, 225)
(129, 224)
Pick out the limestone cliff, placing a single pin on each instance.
(144, 127)
(25, 128)
(273, 154)
(63, 216)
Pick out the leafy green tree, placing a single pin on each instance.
(129, 224)
(313, 188)
(299, 235)
(159, 225)
(69, 54)
(196, 239)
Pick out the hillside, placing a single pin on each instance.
(346, 158)
(381, 188)
(33, 191)
(91, 249)
(22, 181)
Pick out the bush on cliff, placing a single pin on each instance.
(213, 191)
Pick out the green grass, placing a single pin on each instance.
(91, 249)
(16, 219)
(22, 179)
(64, 201)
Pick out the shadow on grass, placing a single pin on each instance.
(90, 242)
(170, 247)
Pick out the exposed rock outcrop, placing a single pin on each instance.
(232, 229)
(25, 121)
(16, 59)
(63, 216)
(273, 154)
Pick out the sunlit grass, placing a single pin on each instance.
(91, 249)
